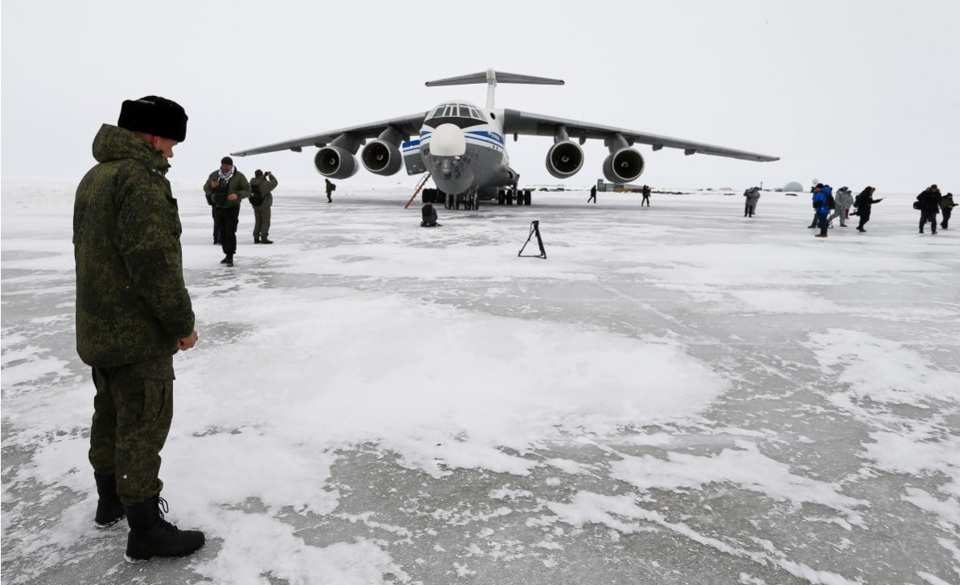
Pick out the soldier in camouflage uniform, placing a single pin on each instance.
(227, 187)
(133, 314)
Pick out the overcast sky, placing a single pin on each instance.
(849, 92)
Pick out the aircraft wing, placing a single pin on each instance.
(407, 126)
(517, 122)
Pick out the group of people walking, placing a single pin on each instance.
(828, 207)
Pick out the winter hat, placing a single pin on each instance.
(226, 161)
(154, 115)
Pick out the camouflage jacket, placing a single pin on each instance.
(237, 184)
(132, 304)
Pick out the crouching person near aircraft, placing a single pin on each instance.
(261, 198)
(227, 187)
(133, 313)
(429, 216)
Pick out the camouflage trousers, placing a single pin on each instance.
(133, 410)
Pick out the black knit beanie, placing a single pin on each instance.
(154, 115)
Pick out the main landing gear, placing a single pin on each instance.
(468, 201)
(508, 196)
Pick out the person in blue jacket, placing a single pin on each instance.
(820, 194)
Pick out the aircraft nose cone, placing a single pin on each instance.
(448, 140)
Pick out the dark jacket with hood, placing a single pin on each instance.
(132, 305)
(929, 201)
(864, 201)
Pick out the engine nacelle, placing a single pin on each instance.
(564, 159)
(335, 162)
(623, 166)
(381, 158)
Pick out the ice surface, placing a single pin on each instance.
(676, 395)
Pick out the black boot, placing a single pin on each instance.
(109, 508)
(256, 239)
(228, 260)
(264, 240)
(152, 536)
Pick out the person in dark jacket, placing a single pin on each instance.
(227, 187)
(593, 195)
(645, 191)
(261, 198)
(330, 188)
(946, 206)
(133, 314)
(864, 202)
(750, 204)
(929, 203)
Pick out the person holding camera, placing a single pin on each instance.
(946, 206)
(227, 187)
(262, 186)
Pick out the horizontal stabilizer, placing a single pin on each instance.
(495, 77)
(492, 78)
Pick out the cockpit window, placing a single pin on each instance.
(462, 115)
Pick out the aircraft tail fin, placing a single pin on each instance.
(492, 78)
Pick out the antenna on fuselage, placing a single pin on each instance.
(491, 78)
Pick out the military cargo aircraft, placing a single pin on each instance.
(462, 146)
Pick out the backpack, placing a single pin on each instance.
(257, 198)
(831, 202)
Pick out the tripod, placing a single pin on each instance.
(534, 229)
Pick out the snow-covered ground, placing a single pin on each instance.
(677, 395)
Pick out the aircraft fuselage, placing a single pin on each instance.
(463, 148)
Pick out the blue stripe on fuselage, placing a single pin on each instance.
(493, 136)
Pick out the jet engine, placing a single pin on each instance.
(381, 158)
(335, 162)
(564, 159)
(623, 166)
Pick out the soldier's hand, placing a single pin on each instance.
(232, 197)
(215, 183)
(185, 343)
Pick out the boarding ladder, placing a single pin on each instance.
(423, 181)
